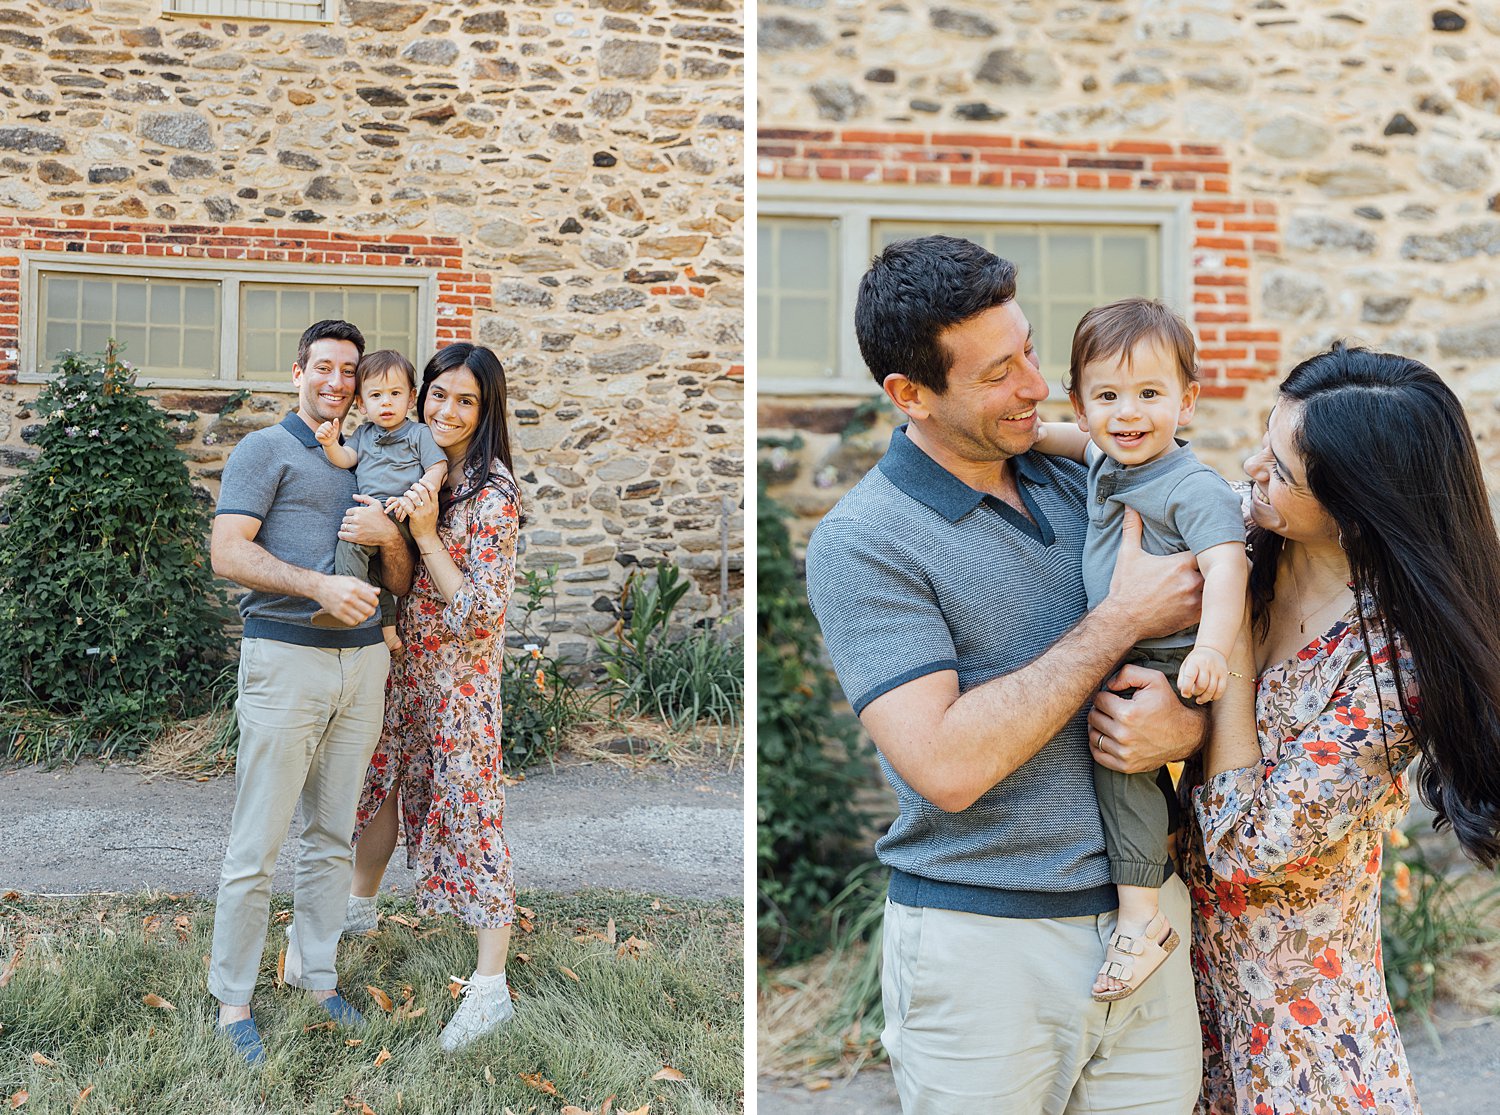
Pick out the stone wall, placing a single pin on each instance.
(1346, 179)
(570, 171)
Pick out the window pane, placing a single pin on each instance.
(1062, 320)
(61, 298)
(60, 336)
(132, 342)
(798, 296)
(130, 302)
(98, 301)
(279, 312)
(1127, 264)
(199, 306)
(1072, 262)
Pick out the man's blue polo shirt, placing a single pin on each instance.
(913, 573)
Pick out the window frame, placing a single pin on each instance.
(856, 209)
(230, 273)
(328, 17)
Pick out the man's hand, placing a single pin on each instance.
(1152, 595)
(1142, 732)
(327, 433)
(1203, 675)
(348, 599)
(367, 525)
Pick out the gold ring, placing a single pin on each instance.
(1101, 741)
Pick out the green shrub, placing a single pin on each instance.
(681, 681)
(539, 701)
(810, 832)
(109, 621)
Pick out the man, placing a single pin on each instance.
(310, 698)
(949, 587)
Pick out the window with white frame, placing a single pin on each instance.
(302, 11)
(1071, 253)
(190, 323)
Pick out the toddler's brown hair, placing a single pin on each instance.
(381, 363)
(1115, 329)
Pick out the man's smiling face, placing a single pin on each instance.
(325, 388)
(988, 412)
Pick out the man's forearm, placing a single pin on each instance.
(995, 728)
(249, 564)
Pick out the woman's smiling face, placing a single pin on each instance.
(1281, 500)
(451, 411)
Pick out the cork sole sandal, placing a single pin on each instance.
(1143, 956)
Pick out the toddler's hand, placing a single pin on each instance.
(1204, 675)
(396, 507)
(327, 433)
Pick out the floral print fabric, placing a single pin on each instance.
(1283, 865)
(440, 748)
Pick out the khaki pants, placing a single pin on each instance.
(309, 720)
(995, 1015)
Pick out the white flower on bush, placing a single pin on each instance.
(72, 431)
(1254, 980)
(94, 432)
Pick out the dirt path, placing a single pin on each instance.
(1462, 1077)
(651, 829)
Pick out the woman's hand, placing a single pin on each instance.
(421, 506)
(367, 525)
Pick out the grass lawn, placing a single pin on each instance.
(601, 1011)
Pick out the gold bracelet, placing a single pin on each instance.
(429, 553)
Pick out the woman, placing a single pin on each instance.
(1375, 577)
(439, 755)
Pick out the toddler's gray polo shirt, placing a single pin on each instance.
(1184, 505)
(391, 461)
(914, 573)
(281, 476)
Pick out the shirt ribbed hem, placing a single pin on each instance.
(334, 638)
(913, 890)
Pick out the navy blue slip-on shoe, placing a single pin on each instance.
(341, 1011)
(246, 1040)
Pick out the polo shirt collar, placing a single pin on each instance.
(928, 482)
(385, 437)
(300, 430)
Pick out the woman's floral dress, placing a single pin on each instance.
(440, 748)
(1283, 865)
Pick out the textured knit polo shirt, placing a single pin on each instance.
(912, 573)
(281, 476)
(1183, 504)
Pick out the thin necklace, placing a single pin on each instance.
(1305, 615)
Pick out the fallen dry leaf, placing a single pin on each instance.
(83, 1095)
(39, 1059)
(668, 1073)
(609, 931)
(523, 958)
(152, 999)
(18, 1098)
(382, 1057)
(354, 1043)
(330, 1024)
(633, 945)
(406, 1012)
(643, 1109)
(283, 917)
(489, 1077)
(539, 1082)
(818, 1085)
(151, 923)
(525, 913)
(512, 779)
(183, 924)
(524, 924)
(455, 988)
(402, 919)
(14, 961)
(281, 968)
(382, 1000)
(569, 1109)
(10, 896)
(572, 975)
(433, 932)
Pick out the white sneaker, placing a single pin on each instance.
(360, 916)
(486, 1007)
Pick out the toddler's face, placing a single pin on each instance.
(1131, 405)
(386, 399)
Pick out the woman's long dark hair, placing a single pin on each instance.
(1390, 457)
(492, 435)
